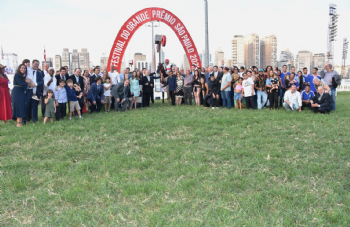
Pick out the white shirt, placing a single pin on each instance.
(52, 86)
(293, 98)
(227, 78)
(115, 77)
(247, 86)
(108, 92)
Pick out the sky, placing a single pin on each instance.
(28, 26)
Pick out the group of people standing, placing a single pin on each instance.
(212, 87)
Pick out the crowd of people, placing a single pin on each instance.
(213, 87)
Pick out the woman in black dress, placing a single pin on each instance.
(197, 87)
(18, 94)
(215, 90)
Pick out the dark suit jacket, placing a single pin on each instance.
(39, 83)
(81, 81)
(207, 79)
(147, 88)
(326, 100)
(58, 77)
(95, 93)
(92, 78)
(118, 91)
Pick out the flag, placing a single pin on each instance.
(2, 53)
(44, 54)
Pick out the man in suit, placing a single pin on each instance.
(62, 75)
(218, 74)
(33, 93)
(96, 95)
(77, 78)
(322, 102)
(95, 75)
(120, 93)
(148, 84)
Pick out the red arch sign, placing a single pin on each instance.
(140, 18)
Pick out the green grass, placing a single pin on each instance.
(179, 166)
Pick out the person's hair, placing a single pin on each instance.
(292, 73)
(98, 78)
(61, 80)
(284, 65)
(85, 71)
(24, 75)
(242, 67)
(96, 68)
(76, 69)
(285, 78)
(178, 73)
(316, 68)
(240, 78)
(211, 75)
(304, 68)
(62, 68)
(307, 85)
(35, 61)
(292, 67)
(107, 78)
(227, 68)
(78, 84)
(69, 81)
(51, 91)
(215, 66)
(104, 75)
(278, 71)
(300, 72)
(25, 61)
(293, 85)
(244, 74)
(134, 74)
(138, 75)
(3, 74)
(268, 67)
(330, 66)
(65, 66)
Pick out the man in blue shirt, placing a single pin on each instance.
(312, 77)
(283, 89)
(306, 77)
(306, 97)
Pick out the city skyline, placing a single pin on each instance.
(96, 43)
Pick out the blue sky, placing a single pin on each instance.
(26, 26)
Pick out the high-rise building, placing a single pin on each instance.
(49, 61)
(304, 59)
(66, 58)
(268, 51)
(286, 58)
(286, 55)
(75, 63)
(103, 61)
(141, 64)
(139, 57)
(58, 63)
(219, 57)
(186, 64)
(238, 50)
(251, 50)
(84, 58)
(318, 61)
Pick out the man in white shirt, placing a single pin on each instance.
(226, 88)
(50, 82)
(114, 75)
(46, 74)
(248, 91)
(292, 99)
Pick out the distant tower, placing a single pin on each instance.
(345, 56)
(332, 31)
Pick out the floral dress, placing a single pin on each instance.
(86, 89)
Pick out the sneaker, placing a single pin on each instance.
(70, 118)
(79, 117)
(213, 108)
(217, 107)
(35, 98)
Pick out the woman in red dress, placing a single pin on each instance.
(5, 98)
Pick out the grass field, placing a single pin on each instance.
(179, 166)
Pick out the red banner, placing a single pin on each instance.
(140, 18)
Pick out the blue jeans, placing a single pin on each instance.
(333, 91)
(226, 99)
(288, 108)
(261, 97)
(281, 92)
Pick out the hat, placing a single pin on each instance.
(2, 66)
(261, 70)
(166, 60)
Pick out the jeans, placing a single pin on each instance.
(188, 90)
(288, 108)
(273, 97)
(281, 92)
(226, 99)
(333, 91)
(261, 97)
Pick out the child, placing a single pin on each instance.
(79, 94)
(72, 98)
(50, 110)
(107, 93)
(287, 82)
(215, 89)
(61, 100)
(238, 93)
